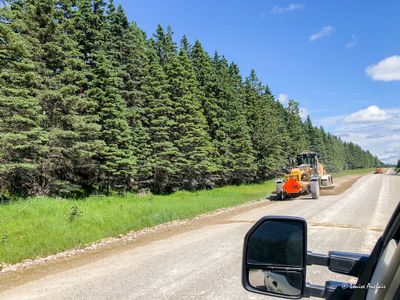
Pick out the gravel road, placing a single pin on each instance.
(205, 263)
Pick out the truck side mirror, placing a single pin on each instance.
(275, 257)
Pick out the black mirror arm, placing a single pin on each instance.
(314, 290)
(346, 263)
(333, 290)
(317, 259)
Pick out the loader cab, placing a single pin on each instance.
(307, 158)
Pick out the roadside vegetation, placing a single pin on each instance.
(41, 226)
(90, 105)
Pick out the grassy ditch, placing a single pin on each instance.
(38, 227)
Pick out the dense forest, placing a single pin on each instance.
(90, 104)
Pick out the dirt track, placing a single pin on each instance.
(341, 184)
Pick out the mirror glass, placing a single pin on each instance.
(277, 243)
(277, 282)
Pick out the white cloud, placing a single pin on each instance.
(283, 99)
(373, 128)
(371, 114)
(287, 9)
(304, 112)
(388, 69)
(390, 158)
(352, 42)
(323, 32)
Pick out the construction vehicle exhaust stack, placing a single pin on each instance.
(306, 175)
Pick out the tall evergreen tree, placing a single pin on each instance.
(213, 102)
(193, 165)
(159, 121)
(22, 140)
(135, 68)
(186, 46)
(164, 45)
(116, 159)
(69, 119)
(241, 163)
(189, 133)
(265, 122)
(296, 137)
(310, 134)
(277, 117)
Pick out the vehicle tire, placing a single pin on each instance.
(279, 191)
(314, 189)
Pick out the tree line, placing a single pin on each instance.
(90, 104)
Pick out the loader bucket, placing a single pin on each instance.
(291, 186)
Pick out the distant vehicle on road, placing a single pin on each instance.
(275, 260)
(378, 170)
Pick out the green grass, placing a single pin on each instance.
(42, 226)
(38, 227)
(353, 172)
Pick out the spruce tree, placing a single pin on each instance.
(242, 164)
(135, 72)
(69, 117)
(116, 159)
(186, 46)
(190, 136)
(283, 138)
(266, 123)
(214, 106)
(310, 134)
(193, 165)
(296, 142)
(98, 31)
(159, 122)
(164, 45)
(22, 140)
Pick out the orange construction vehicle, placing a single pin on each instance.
(378, 170)
(306, 175)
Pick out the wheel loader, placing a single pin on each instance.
(305, 175)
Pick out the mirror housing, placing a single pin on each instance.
(275, 257)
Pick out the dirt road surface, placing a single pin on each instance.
(205, 262)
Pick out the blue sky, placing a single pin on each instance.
(339, 59)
